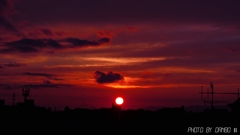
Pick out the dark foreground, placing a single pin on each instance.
(119, 122)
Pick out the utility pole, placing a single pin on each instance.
(212, 95)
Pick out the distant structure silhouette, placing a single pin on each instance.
(115, 120)
(235, 106)
(27, 103)
(233, 93)
(2, 103)
(212, 96)
(116, 107)
(25, 93)
(212, 93)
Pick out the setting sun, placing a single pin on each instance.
(119, 101)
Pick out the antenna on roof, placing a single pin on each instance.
(232, 93)
(212, 93)
(25, 93)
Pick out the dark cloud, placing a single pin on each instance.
(27, 45)
(75, 42)
(46, 84)
(4, 4)
(43, 32)
(38, 32)
(23, 45)
(47, 32)
(6, 10)
(14, 64)
(52, 43)
(35, 43)
(104, 40)
(7, 25)
(27, 42)
(30, 45)
(79, 42)
(6, 87)
(107, 78)
(38, 86)
(38, 74)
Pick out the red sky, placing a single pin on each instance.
(152, 53)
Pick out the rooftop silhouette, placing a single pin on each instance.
(115, 120)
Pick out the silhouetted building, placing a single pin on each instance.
(116, 107)
(67, 109)
(27, 103)
(178, 110)
(2, 103)
(235, 106)
(215, 111)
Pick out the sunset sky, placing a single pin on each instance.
(86, 52)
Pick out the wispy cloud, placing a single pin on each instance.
(38, 74)
(46, 85)
(49, 76)
(126, 60)
(13, 64)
